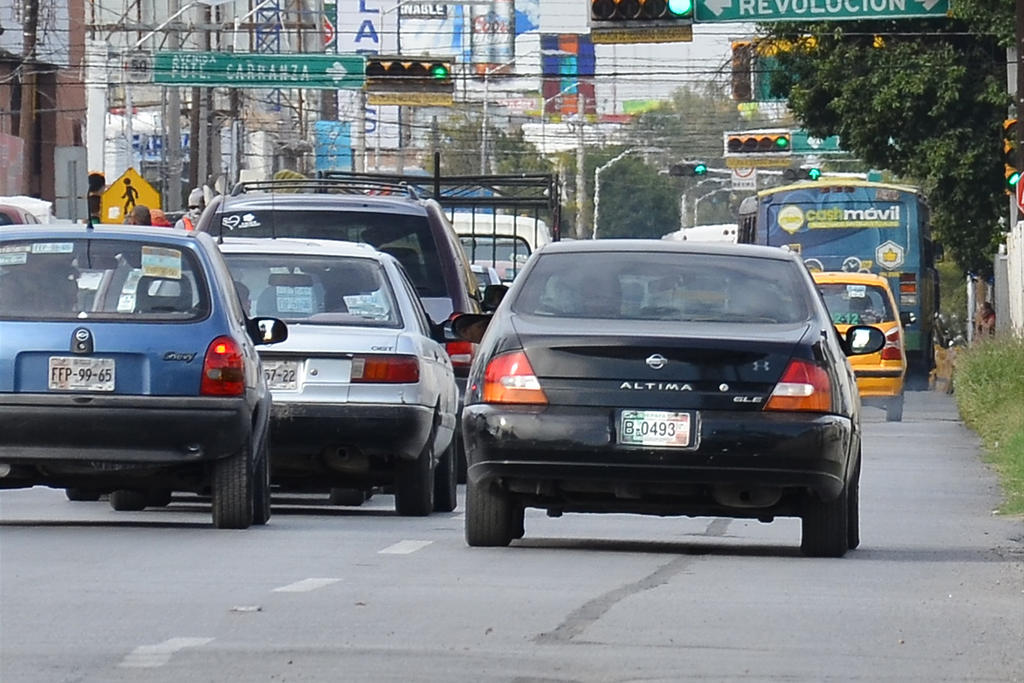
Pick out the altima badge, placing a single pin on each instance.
(656, 362)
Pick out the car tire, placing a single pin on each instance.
(125, 500)
(350, 497)
(853, 510)
(158, 498)
(446, 484)
(825, 528)
(489, 516)
(232, 490)
(414, 483)
(261, 487)
(894, 409)
(82, 495)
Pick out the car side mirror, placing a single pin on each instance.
(267, 330)
(863, 339)
(908, 318)
(493, 294)
(470, 326)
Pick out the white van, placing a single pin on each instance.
(503, 241)
(718, 232)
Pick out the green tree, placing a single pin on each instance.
(922, 98)
(636, 200)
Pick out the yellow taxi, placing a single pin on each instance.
(866, 299)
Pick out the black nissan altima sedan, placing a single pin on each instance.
(647, 377)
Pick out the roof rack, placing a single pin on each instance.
(329, 185)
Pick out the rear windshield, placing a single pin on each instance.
(102, 279)
(851, 304)
(407, 238)
(664, 286)
(325, 290)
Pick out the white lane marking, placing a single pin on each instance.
(152, 656)
(305, 585)
(404, 547)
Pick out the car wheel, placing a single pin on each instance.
(352, 497)
(446, 485)
(894, 410)
(232, 490)
(853, 510)
(414, 483)
(124, 500)
(261, 487)
(825, 528)
(82, 495)
(158, 498)
(489, 515)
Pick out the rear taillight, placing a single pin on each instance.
(461, 353)
(385, 369)
(223, 369)
(510, 379)
(803, 386)
(908, 290)
(892, 350)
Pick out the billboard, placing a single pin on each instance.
(567, 69)
(368, 27)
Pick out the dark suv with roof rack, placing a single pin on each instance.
(390, 216)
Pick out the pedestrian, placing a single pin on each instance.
(985, 320)
(139, 216)
(195, 209)
(158, 218)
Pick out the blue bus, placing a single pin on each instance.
(857, 226)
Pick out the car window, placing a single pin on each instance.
(666, 286)
(856, 304)
(329, 290)
(406, 237)
(91, 278)
(422, 318)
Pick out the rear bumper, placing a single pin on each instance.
(399, 430)
(555, 450)
(121, 429)
(879, 382)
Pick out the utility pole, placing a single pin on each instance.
(581, 178)
(27, 117)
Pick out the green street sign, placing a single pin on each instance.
(802, 143)
(817, 10)
(239, 70)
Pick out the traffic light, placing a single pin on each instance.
(641, 21)
(802, 173)
(694, 168)
(1011, 161)
(409, 80)
(759, 142)
(97, 181)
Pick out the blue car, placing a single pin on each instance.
(128, 366)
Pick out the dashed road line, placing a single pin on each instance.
(404, 547)
(305, 585)
(153, 656)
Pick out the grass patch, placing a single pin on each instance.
(989, 390)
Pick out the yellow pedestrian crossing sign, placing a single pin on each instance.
(124, 194)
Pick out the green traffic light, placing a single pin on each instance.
(700, 169)
(1013, 178)
(439, 72)
(680, 8)
(782, 142)
(814, 173)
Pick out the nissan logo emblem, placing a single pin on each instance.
(656, 362)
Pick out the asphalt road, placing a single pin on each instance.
(935, 592)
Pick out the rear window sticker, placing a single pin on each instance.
(246, 220)
(15, 259)
(161, 262)
(295, 300)
(53, 248)
(856, 291)
(16, 248)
